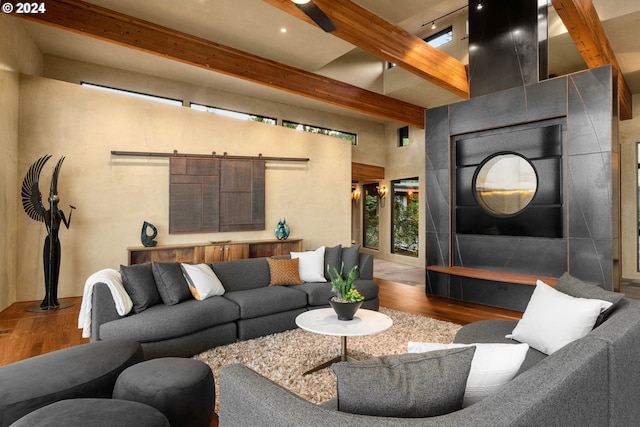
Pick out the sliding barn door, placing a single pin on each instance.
(212, 194)
(194, 198)
(242, 195)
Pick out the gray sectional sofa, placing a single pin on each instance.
(84, 371)
(249, 307)
(592, 381)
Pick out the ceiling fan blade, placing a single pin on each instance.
(318, 16)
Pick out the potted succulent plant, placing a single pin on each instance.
(347, 300)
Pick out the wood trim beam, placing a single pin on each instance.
(369, 32)
(364, 172)
(493, 276)
(583, 24)
(104, 24)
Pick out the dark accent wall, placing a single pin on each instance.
(540, 143)
(585, 104)
(507, 45)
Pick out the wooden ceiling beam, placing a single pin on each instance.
(385, 40)
(104, 24)
(365, 172)
(583, 24)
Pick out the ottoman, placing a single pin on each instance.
(182, 389)
(94, 413)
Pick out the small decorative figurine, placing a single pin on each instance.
(52, 217)
(147, 240)
(282, 230)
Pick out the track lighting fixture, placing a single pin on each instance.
(433, 22)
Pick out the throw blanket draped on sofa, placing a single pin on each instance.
(121, 299)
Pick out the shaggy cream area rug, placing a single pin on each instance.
(285, 356)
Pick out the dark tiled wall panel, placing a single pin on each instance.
(588, 249)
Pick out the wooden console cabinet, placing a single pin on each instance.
(212, 251)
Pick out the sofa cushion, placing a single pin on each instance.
(241, 274)
(407, 385)
(284, 272)
(365, 266)
(170, 282)
(494, 331)
(493, 366)
(141, 286)
(267, 300)
(203, 282)
(553, 319)
(311, 266)
(318, 293)
(350, 258)
(575, 287)
(162, 322)
(332, 259)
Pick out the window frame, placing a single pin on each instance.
(370, 190)
(430, 40)
(352, 137)
(403, 137)
(234, 114)
(141, 95)
(415, 202)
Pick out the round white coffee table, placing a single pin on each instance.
(325, 321)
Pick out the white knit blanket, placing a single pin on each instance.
(122, 300)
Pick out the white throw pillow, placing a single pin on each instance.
(493, 365)
(203, 282)
(553, 319)
(311, 265)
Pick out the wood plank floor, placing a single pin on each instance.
(24, 334)
(412, 299)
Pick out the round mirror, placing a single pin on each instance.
(505, 184)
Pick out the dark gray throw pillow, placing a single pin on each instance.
(172, 286)
(350, 258)
(333, 259)
(575, 287)
(140, 284)
(412, 385)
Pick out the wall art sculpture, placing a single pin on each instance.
(52, 218)
(147, 240)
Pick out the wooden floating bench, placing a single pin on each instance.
(492, 275)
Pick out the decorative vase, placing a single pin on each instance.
(282, 230)
(345, 310)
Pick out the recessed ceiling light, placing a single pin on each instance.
(283, 30)
(301, 1)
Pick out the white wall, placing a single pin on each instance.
(114, 195)
(401, 163)
(629, 137)
(18, 54)
(370, 148)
